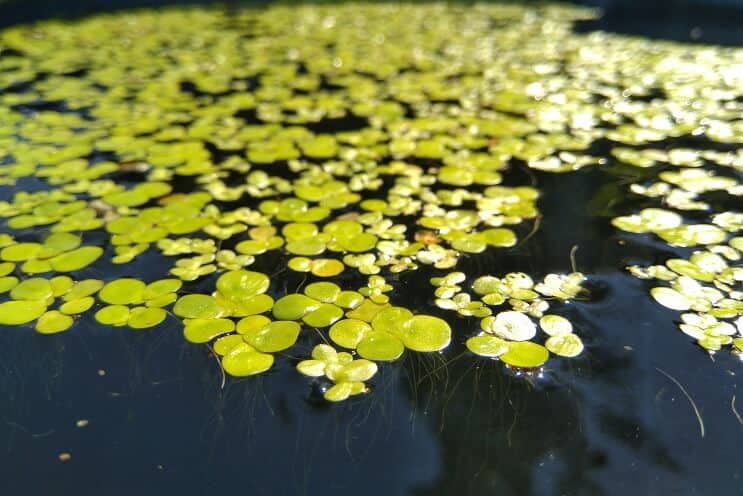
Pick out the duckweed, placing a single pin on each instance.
(422, 183)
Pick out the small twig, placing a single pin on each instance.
(573, 250)
(735, 412)
(693, 405)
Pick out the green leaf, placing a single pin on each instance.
(276, 336)
(357, 371)
(565, 345)
(425, 333)
(21, 312)
(294, 306)
(53, 322)
(35, 288)
(380, 346)
(76, 259)
(670, 298)
(311, 368)
(323, 316)
(555, 325)
(197, 306)
(349, 332)
(80, 305)
(203, 330)
(125, 291)
(145, 317)
(525, 355)
(114, 315)
(325, 292)
(487, 346)
(243, 360)
(237, 284)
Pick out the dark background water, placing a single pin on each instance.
(608, 422)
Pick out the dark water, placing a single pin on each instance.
(609, 422)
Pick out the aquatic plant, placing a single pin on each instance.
(358, 145)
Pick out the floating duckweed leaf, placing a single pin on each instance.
(145, 317)
(326, 267)
(114, 315)
(225, 344)
(425, 333)
(76, 259)
(510, 325)
(713, 343)
(348, 299)
(323, 316)
(61, 285)
(312, 368)
(21, 311)
(276, 336)
(7, 283)
(555, 325)
(565, 345)
(239, 284)
(349, 332)
(493, 299)
(6, 268)
(57, 243)
(243, 360)
(53, 322)
(486, 285)
(160, 288)
(686, 268)
(324, 353)
(470, 244)
(525, 354)
(197, 306)
(367, 310)
(162, 300)
(300, 264)
(380, 346)
(249, 306)
(123, 291)
(86, 287)
(670, 298)
(325, 292)
(77, 306)
(339, 392)
(299, 230)
(203, 330)
(357, 244)
(252, 324)
(393, 320)
(306, 246)
(357, 371)
(294, 306)
(35, 288)
(36, 266)
(500, 237)
(487, 346)
(20, 252)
